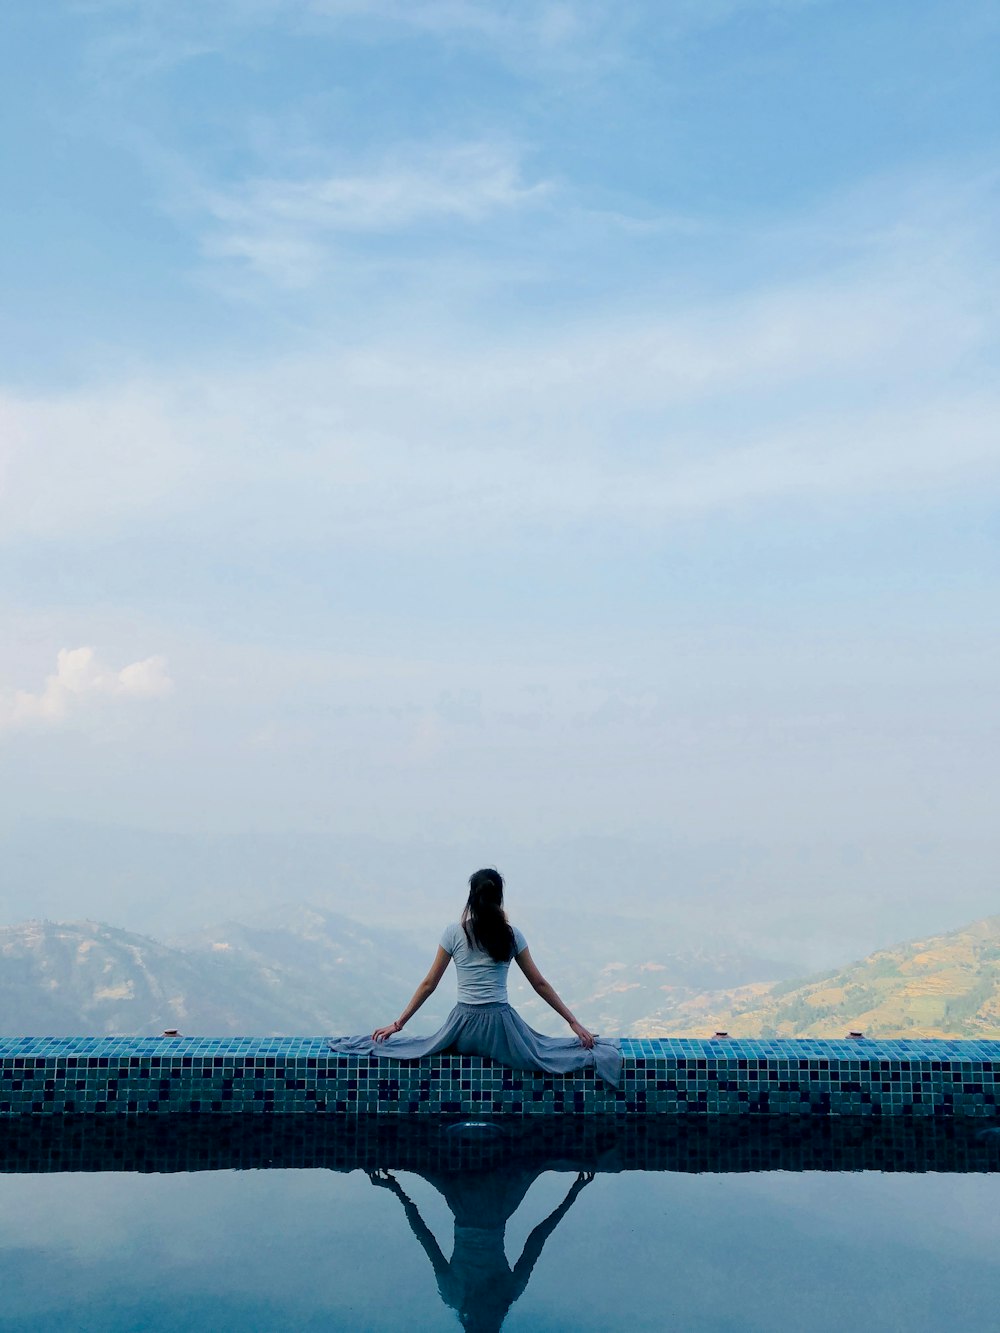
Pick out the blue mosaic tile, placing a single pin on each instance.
(670, 1076)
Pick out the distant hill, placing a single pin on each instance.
(941, 986)
(315, 975)
(613, 995)
(303, 969)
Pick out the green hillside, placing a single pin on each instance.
(943, 986)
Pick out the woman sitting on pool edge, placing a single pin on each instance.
(482, 945)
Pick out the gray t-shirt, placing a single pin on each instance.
(481, 980)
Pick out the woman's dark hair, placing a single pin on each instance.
(484, 920)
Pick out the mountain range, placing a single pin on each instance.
(306, 969)
(313, 974)
(301, 969)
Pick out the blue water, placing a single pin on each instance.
(330, 1249)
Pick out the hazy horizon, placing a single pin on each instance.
(802, 907)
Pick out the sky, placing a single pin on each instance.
(504, 424)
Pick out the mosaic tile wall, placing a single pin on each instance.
(130, 1075)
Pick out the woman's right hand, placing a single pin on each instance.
(384, 1178)
(382, 1034)
(586, 1038)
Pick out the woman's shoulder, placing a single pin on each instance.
(451, 935)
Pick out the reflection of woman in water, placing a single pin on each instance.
(478, 1283)
(482, 945)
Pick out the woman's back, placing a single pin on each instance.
(481, 979)
(483, 1022)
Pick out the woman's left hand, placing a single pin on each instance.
(384, 1178)
(586, 1038)
(382, 1034)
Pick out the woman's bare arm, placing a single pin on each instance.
(426, 988)
(533, 1245)
(418, 1226)
(527, 965)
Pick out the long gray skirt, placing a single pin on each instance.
(499, 1031)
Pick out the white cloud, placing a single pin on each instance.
(645, 420)
(79, 678)
(864, 378)
(281, 227)
(147, 679)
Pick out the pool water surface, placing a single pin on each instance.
(509, 1237)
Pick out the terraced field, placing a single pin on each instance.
(945, 986)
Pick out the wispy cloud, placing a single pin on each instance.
(551, 21)
(150, 35)
(531, 37)
(281, 226)
(868, 374)
(81, 678)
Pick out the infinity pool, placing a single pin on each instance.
(479, 1226)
